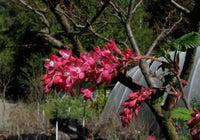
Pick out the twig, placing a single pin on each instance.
(72, 21)
(137, 5)
(45, 21)
(120, 12)
(162, 35)
(180, 7)
(149, 57)
(51, 39)
(106, 39)
(183, 92)
(93, 19)
(98, 35)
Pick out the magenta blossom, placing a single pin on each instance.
(113, 47)
(129, 55)
(87, 93)
(133, 104)
(150, 138)
(64, 72)
(195, 133)
(196, 117)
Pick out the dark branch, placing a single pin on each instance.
(127, 81)
(106, 2)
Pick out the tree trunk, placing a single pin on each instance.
(161, 114)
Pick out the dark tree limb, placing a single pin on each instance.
(93, 19)
(127, 81)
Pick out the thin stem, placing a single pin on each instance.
(149, 57)
(183, 93)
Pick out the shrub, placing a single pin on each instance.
(64, 106)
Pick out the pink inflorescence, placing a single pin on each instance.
(133, 104)
(194, 131)
(98, 66)
(196, 118)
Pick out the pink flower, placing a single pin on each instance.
(195, 132)
(128, 55)
(87, 93)
(89, 59)
(53, 62)
(77, 70)
(66, 53)
(133, 104)
(112, 46)
(64, 72)
(196, 117)
(184, 82)
(108, 70)
(126, 116)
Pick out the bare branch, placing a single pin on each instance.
(120, 12)
(137, 5)
(98, 35)
(184, 98)
(128, 28)
(63, 19)
(162, 35)
(158, 38)
(174, 25)
(130, 9)
(51, 39)
(106, 39)
(116, 6)
(183, 9)
(106, 2)
(39, 12)
(71, 20)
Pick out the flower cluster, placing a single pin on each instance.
(150, 138)
(196, 118)
(194, 131)
(133, 104)
(98, 66)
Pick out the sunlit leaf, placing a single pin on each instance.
(187, 41)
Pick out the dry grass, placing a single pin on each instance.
(113, 128)
(28, 120)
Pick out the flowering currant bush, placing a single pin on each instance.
(66, 70)
(98, 66)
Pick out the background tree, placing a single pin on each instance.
(6, 76)
(7, 70)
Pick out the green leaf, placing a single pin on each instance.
(181, 113)
(187, 41)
